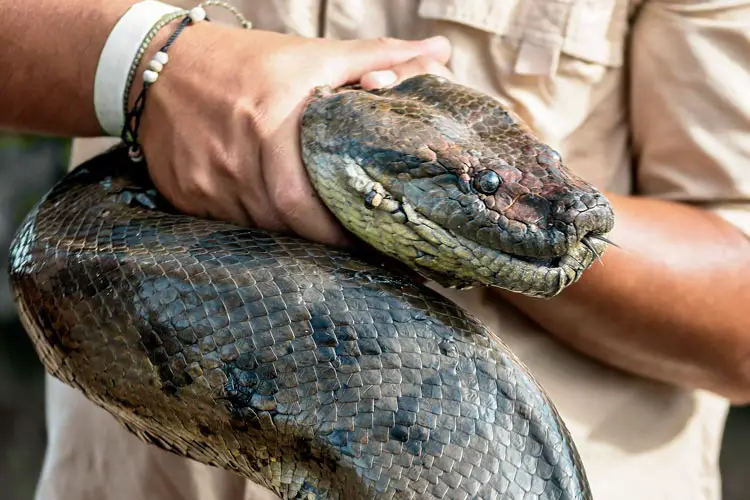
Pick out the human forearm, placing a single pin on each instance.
(50, 50)
(671, 304)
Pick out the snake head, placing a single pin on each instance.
(451, 182)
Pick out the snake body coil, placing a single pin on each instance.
(317, 372)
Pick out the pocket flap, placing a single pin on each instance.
(591, 30)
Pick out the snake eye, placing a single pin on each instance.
(487, 182)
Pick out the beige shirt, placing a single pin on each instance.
(640, 98)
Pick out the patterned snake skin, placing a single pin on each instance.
(323, 373)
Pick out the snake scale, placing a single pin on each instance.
(315, 371)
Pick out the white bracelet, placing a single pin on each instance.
(116, 58)
(156, 65)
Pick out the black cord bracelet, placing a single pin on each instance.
(133, 118)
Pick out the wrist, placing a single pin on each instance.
(117, 56)
(187, 69)
(159, 39)
(168, 65)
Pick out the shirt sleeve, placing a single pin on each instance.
(689, 102)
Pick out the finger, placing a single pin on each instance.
(241, 185)
(256, 207)
(291, 192)
(358, 57)
(204, 194)
(417, 66)
(193, 191)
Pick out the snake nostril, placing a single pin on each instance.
(577, 214)
(589, 199)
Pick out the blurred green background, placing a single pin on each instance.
(29, 167)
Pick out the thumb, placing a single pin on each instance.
(359, 57)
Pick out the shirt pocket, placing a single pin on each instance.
(542, 32)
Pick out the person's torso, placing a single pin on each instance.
(559, 64)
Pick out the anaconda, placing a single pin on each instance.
(322, 372)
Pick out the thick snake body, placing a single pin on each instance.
(319, 372)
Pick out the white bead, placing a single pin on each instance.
(155, 65)
(197, 14)
(150, 76)
(161, 57)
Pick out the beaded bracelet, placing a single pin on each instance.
(157, 64)
(142, 51)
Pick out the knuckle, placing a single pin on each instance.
(385, 42)
(267, 220)
(421, 65)
(262, 212)
(248, 107)
(223, 162)
(189, 196)
(424, 64)
(195, 190)
(252, 111)
(431, 66)
(331, 66)
(275, 61)
(288, 199)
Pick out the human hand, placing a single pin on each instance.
(220, 131)
(417, 66)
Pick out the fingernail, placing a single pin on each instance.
(382, 78)
(438, 43)
(437, 40)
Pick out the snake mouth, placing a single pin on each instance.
(594, 242)
(536, 277)
(549, 263)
